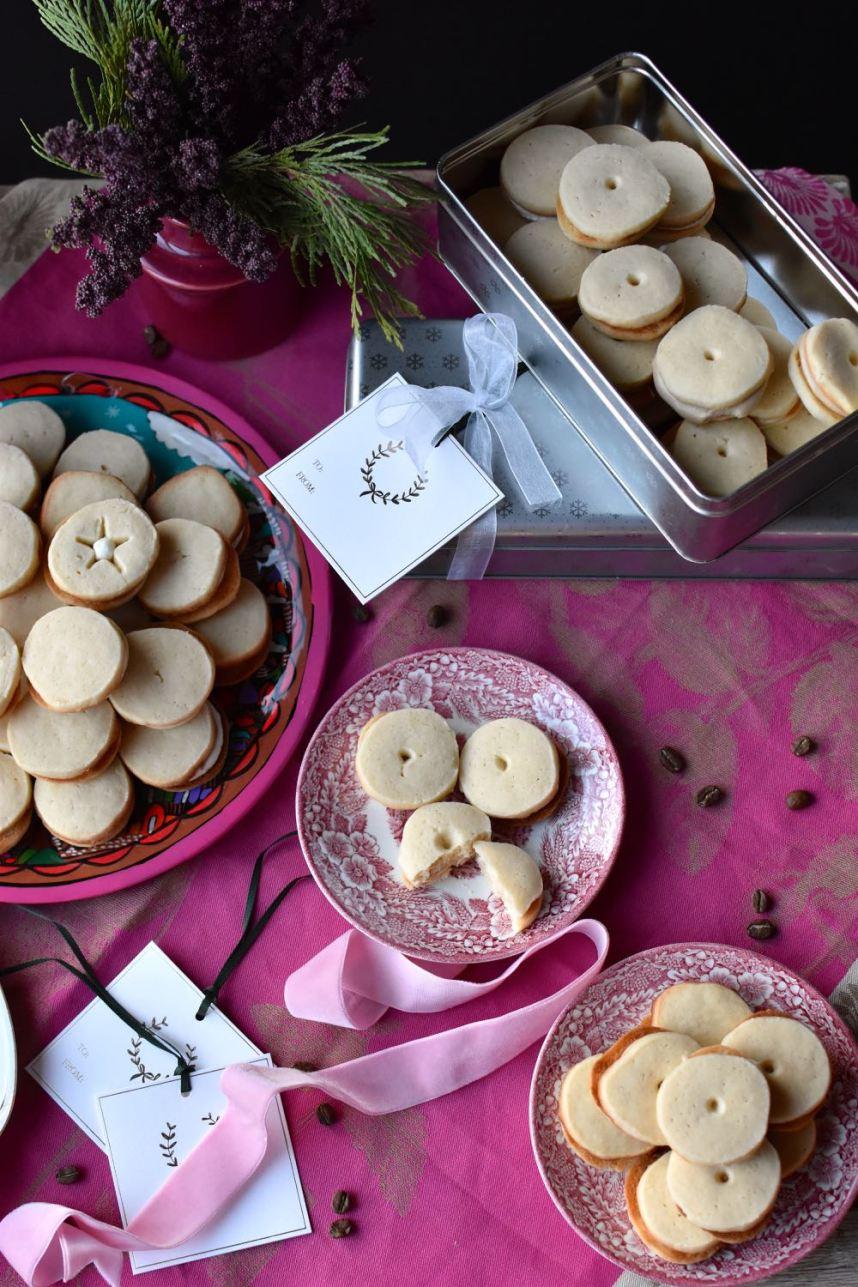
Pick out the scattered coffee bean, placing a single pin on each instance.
(361, 612)
(760, 900)
(304, 1065)
(326, 1114)
(803, 746)
(341, 1228)
(68, 1175)
(671, 759)
(709, 795)
(798, 799)
(158, 346)
(437, 616)
(341, 1201)
(761, 929)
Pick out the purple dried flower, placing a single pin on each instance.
(241, 241)
(198, 164)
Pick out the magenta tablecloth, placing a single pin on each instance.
(730, 673)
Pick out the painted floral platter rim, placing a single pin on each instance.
(310, 600)
(460, 953)
(731, 1266)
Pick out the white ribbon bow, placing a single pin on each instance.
(424, 416)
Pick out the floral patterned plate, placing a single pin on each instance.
(350, 842)
(811, 1202)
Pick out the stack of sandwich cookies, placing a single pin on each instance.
(203, 495)
(532, 166)
(634, 293)
(721, 457)
(238, 636)
(195, 575)
(823, 367)
(692, 194)
(179, 758)
(713, 365)
(100, 556)
(609, 195)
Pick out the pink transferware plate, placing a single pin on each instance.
(351, 842)
(811, 1202)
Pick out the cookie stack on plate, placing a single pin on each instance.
(116, 623)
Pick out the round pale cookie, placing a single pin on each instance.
(713, 1107)
(829, 358)
(658, 1221)
(204, 495)
(794, 1148)
(531, 166)
(495, 215)
(779, 401)
(692, 194)
(514, 877)
(625, 135)
(705, 1011)
(633, 293)
(169, 758)
(753, 311)
(103, 553)
(70, 492)
(627, 1077)
(62, 746)
(799, 429)
(509, 768)
(36, 429)
(811, 402)
(587, 1130)
(626, 363)
(225, 594)
(169, 676)
(89, 811)
(719, 458)
(729, 1198)
(74, 658)
(19, 478)
(406, 758)
(10, 671)
(101, 451)
(712, 364)
(712, 274)
(190, 564)
(549, 261)
(438, 837)
(609, 194)
(792, 1059)
(20, 548)
(20, 611)
(240, 632)
(16, 794)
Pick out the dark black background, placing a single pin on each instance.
(775, 80)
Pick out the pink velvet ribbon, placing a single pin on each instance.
(350, 983)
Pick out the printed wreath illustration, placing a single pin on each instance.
(374, 492)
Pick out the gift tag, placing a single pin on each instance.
(357, 494)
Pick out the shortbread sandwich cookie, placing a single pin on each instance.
(36, 429)
(626, 363)
(791, 1057)
(63, 747)
(20, 549)
(101, 555)
(587, 1130)
(711, 273)
(239, 636)
(437, 838)
(407, 757)
(16, 795)
(531, 166)
(101, 451)
(74, 658)
(169, 677)
(705, 1011)
(87, 812)
(794, 1148)
(171, 758)
(779, 401)
(213, 764)
(720, 458)
(223, 597)
(625, 135)
(549, 261)
(656, 1218)
(509, 768)
(10, 671)
(726, 1199)
(712, 365)
(495, 215)
(627, 1077)
(810, 401)
(19, 478)
(633, 293)
(828, 355)
(714, 1107)
(70, 492)
(204, 495)
(753, 311)
(799, 429)
(692, 194)
(188, 570)
(609, 195)
(514, 877)
(21, 610)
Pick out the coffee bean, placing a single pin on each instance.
(803, 745)
(68, 1175)
(671, 759)
(326, 1114)
(760, 900)
(361, 612)
(437, 616)
(798, 799)
(341, 1228)
(708, 796)
(761, 929)
(341, 1201)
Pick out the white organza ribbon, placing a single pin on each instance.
(424, 416)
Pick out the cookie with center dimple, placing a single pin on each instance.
(20, 611)
(20, 548)
(633, 293)
(238, 635)
(712, 365)
(191, 561)
(495, 214)
(169, 676)
(509, 768)
(549, 261)
(74, 658)
(49, 744)
(656, 1218)
(711, 273)
(721, 457)
(792, 1059)
(514, 877)
(728, 1198)
(36, 429)
(204, 495)
(103, 553)
(531, 166)
(71, 491)
(692, 194)
(714, 1106)
(10, 670)
(829, 360)
(586, 1129)
(88, 811)
(406, 758)
(705, 1011)
(19, 478)
(437, 838)
(16, 793)
(627, 364)
(627, 1078)
(101, 451)
(609, 195)
(779, 401)
(794, 433)
(625, 135)
(169, 758)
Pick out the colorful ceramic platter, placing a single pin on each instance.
(811, 1202)
(180, 426)
(350, 842)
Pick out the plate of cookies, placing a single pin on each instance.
(694, 1115)
(460, 805)
(163, 628)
